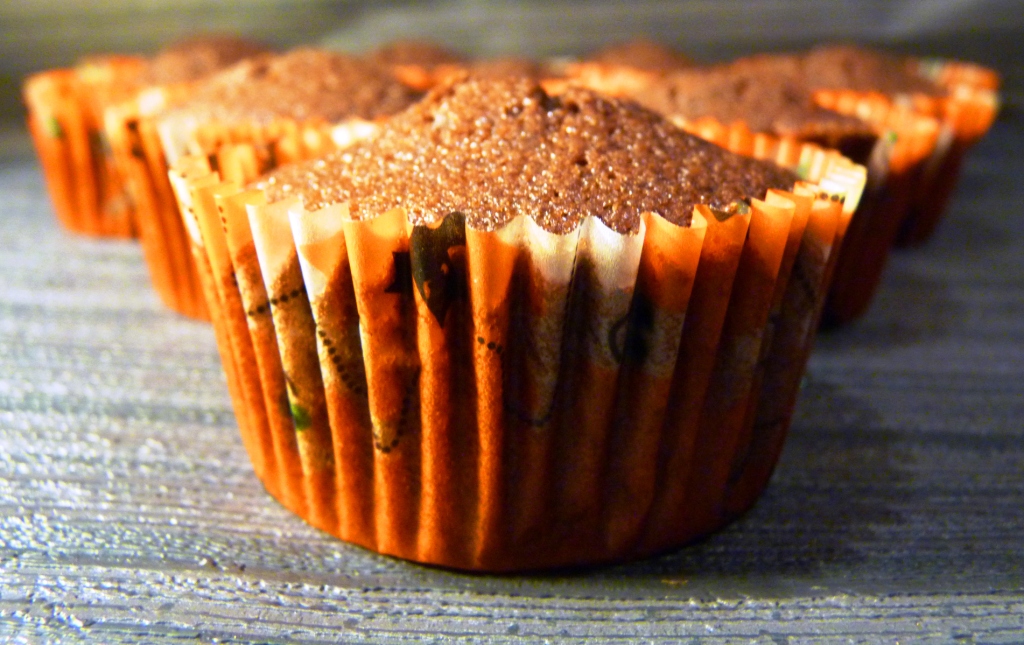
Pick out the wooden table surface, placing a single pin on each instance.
(129, 511)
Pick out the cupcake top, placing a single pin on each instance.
(303, 84)
(643, 54)
(496, 149)
(495, 68)
(193, 58)
(767, 93)
(415, 52)
(858, 68)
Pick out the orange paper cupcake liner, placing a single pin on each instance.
(908, 146)
(964, 115)
(85, 186)
(896, 165)
(143, 148)
(517, 399)
(622, 81)
(139, 155)
(952, 74)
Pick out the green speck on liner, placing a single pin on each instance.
(803, 170)
(299, 416)
(53, 128)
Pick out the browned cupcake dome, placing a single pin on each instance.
(497, 149)
(193, 58)
(303, 84)
(415, 52)
(857, 68)
(642, 54)
(768, 94)
(505, 66)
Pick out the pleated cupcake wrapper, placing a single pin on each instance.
(952, 74)
(420, 77)
(905, 144)
(144, 143)
(86, 189)
(515, 399)
(269, 434)
(276, 142)
(965, 114)
(103, 81)
(797, 307)
(622, 81)
(423, 78)
(138, 153)
(969, 113)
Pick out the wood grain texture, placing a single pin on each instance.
(129, 511)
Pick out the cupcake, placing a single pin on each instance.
(620, 69)
(765, 104)
(261, 112)
(67, 118)
(286, 105)
(514, 331)
(165, 79)
(416, 62)
(65, 121)
(500, 67)
(961, 96)
(641, 53)
(423, 64)
(768, 98)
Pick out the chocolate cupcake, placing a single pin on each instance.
(641, 53)
(194, 58)
(513, 330)
(763, 104)
(416, 62)
(261, 112)
(68, 120)
(65, 109)
(423, 64)
(164, 80)
(620, 69)
(283, 100)
(766, 98)
(961, 96)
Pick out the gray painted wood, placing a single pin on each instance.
(129, 512)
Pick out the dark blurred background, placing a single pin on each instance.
(40, 34)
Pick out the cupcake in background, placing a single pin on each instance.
(287, 105)
(764, 106)
(963, 97)
(416, 62)
(65, 108)
(620, 69)
(261, 112)
(424, 64)
(512, 330)
(165, 79)
(499, 68)
(641, 53)
(68, 118)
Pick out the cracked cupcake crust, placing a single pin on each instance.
(495, 150)
(767, 95)
(194, 58)
(303, 84)
(643, 54)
